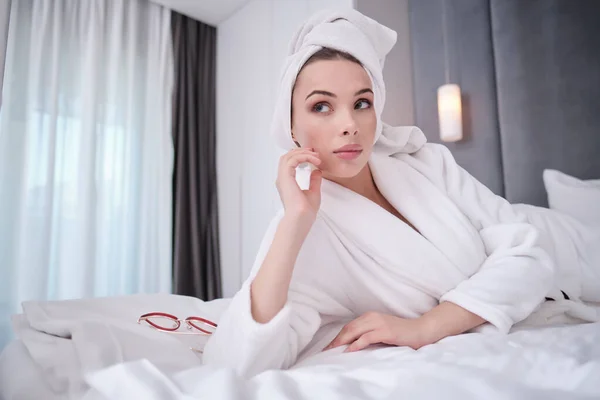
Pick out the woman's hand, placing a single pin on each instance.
(372, 328)
(270, 287)
(298, 202)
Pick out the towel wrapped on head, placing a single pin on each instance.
(369, 42)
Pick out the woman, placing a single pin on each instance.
(393, 240)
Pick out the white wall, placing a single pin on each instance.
(251, 46)
(397, 72)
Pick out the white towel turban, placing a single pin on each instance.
(365, 39)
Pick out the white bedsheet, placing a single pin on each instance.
(122, 360)
(67, 339)
(548, 363)
(20, 377)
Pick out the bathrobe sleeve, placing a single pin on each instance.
(517, 273)
(250, 347)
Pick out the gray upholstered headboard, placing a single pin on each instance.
(530, 76)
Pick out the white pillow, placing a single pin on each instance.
(575, 197)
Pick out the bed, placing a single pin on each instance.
(95, 349)
(110, 356)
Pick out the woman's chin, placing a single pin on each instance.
(344, 171)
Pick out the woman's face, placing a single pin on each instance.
(332, 112)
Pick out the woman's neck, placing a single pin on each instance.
(362, 184)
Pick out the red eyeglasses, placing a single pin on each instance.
(170, 323)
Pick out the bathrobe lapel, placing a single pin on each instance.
(430, 210)
(434, 261)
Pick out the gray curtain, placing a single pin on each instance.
(196, 263)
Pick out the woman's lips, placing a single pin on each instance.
(349, 151)
(348, 155)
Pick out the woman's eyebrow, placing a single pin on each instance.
(326, 93)
(323, 92)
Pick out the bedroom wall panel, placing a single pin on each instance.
(471, 65)
(547, 63)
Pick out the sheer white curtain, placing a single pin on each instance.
(85, 152)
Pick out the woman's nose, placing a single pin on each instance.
(348, 125)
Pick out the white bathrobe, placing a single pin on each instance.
(472, 250)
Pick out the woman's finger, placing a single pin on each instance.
(298, 159)
(294, 152)
(351, 332)
(364, 341)
(316, 177)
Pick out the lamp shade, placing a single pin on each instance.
(450, 112)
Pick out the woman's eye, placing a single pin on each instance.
(362, 104)
(321, 108)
